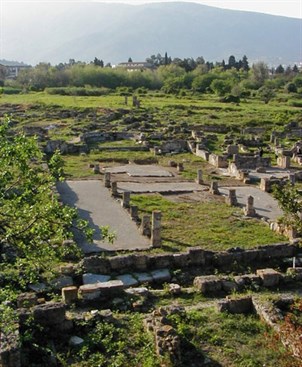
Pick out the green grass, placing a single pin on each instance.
(211, 225)
(77, 166)
(198, 109)
(231, 340)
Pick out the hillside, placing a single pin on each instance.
(56, 32)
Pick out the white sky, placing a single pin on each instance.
(288, 8)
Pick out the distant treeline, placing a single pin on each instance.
(234, 77)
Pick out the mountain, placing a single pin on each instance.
(56, 32)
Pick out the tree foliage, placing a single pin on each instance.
(290, 202)
(33, 223)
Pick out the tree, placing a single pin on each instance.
(33, 223)
(295, 69)
(232, 62)
(289, 200)
(260, 72)
(98, 62)
(130, 59)
(266, 93)
(279, 69)
(221, 87)
(245, 64)
(291, 88)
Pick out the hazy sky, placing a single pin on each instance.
(289, 8)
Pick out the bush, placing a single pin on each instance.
(78, 91)
(9, 90)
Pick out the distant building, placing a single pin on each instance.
(136, 66)
(13, 68)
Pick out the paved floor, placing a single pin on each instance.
(136, 170)
(96, 205)
(265, 205)
(161, 187)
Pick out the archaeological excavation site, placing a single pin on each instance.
(167, 232)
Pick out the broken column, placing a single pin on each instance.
(69, 294)
(292, 179)
(114, 189)
(214, 188)
(231, 199)
(126, 199)
(134, 212)
(199, 177)
(180, 167)
(96, 168)
(107, 179)
(145, 227)
(283, 162)
(265, 184)
(156, 229)
(249, 210)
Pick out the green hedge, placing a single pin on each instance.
(78, 91)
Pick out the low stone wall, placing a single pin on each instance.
(266, 184)
(218, 161)
(195, 256)
(64, 147)
(10, 354)
(120, 149)
(167, 341)
(251, 162)
(174, 146)
(98, 137)
(204, 154)
(212, 285)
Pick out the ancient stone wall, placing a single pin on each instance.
(251, 162)
(195, 256)
(218, 161)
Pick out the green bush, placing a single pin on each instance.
(78, 91)
(10, 90)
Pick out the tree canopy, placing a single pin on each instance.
(33, 222)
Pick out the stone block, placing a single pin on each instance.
(96, 264)
(160, 261)
(249, 256)
(67, 269)
(89, 278)
(181, 260)
(229, 286)
(27, 300)
(51, 313)
(174, 289)
(140, 291)
(222, 306)
(240, 305)
(128, 280)
(90, 291)
(111, 288)
(143, 277)
(269, 277)
(196, 256)
(161, 276)
(76, 342)
(69, 294)
(121, 262)
(209, 284)
(61, 282)
(38, 287)
(140, 262)
(223, 259)
(281, 251)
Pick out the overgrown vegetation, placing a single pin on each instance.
(211, 225)
(232, 340)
